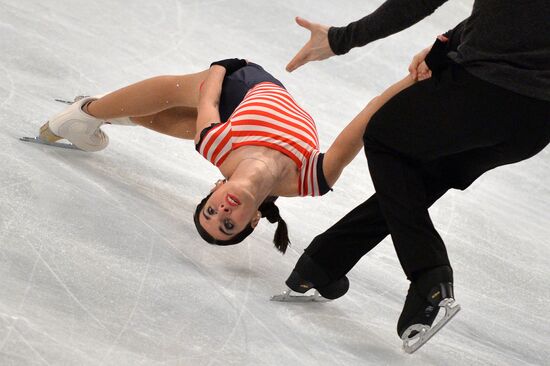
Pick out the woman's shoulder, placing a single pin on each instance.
(206, 133)
(310, 180)
(314, 182)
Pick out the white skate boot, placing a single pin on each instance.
(73, 124)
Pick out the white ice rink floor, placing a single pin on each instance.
(100, 263)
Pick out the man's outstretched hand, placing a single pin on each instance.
(316, 49)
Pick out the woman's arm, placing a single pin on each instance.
(209, 99)
(350, 141)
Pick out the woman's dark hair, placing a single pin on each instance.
(268, 209)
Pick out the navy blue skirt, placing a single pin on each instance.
(236, 85)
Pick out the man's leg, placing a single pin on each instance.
(337, 250)
(326, 261)
(332, 254)
(464, 125)
(459, 171)
(431, 121)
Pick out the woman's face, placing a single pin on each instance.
(228, 211)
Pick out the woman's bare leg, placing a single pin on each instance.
(80, 123)
(149, 97)
(178, 122)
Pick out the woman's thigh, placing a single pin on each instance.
(178, 122)
(188, 88)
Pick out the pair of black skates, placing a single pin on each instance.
(429, 293)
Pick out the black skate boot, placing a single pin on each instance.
(308, 275)
(427, 294)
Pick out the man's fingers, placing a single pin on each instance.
(298, 60)
(301, 56)
(303, 23)
(295, 63)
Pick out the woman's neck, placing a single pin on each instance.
(257, 176)
(282, 170)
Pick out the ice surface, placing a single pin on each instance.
(99, 260)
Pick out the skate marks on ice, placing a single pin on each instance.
(246, 327)
(10, 88)
(243, 321)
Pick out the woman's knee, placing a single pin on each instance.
(178, 90)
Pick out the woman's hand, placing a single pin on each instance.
(418, 68)
(230, 64)
(316, 49)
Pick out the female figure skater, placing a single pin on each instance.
(243, 121)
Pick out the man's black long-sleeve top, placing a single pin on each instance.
(504, 42)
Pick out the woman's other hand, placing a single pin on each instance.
(231, 64)
(316, 49)
(418, 68)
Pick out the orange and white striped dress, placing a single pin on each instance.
(268, 116)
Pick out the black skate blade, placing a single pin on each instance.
(290, 296)
(62, 145)
(424, 332)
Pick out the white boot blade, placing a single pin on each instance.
(426, 332)
(63, 101)
(290, 296)
(76, 99)
(37, 140)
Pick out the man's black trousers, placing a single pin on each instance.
(438, 134)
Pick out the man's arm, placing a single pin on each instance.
(391, 17)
